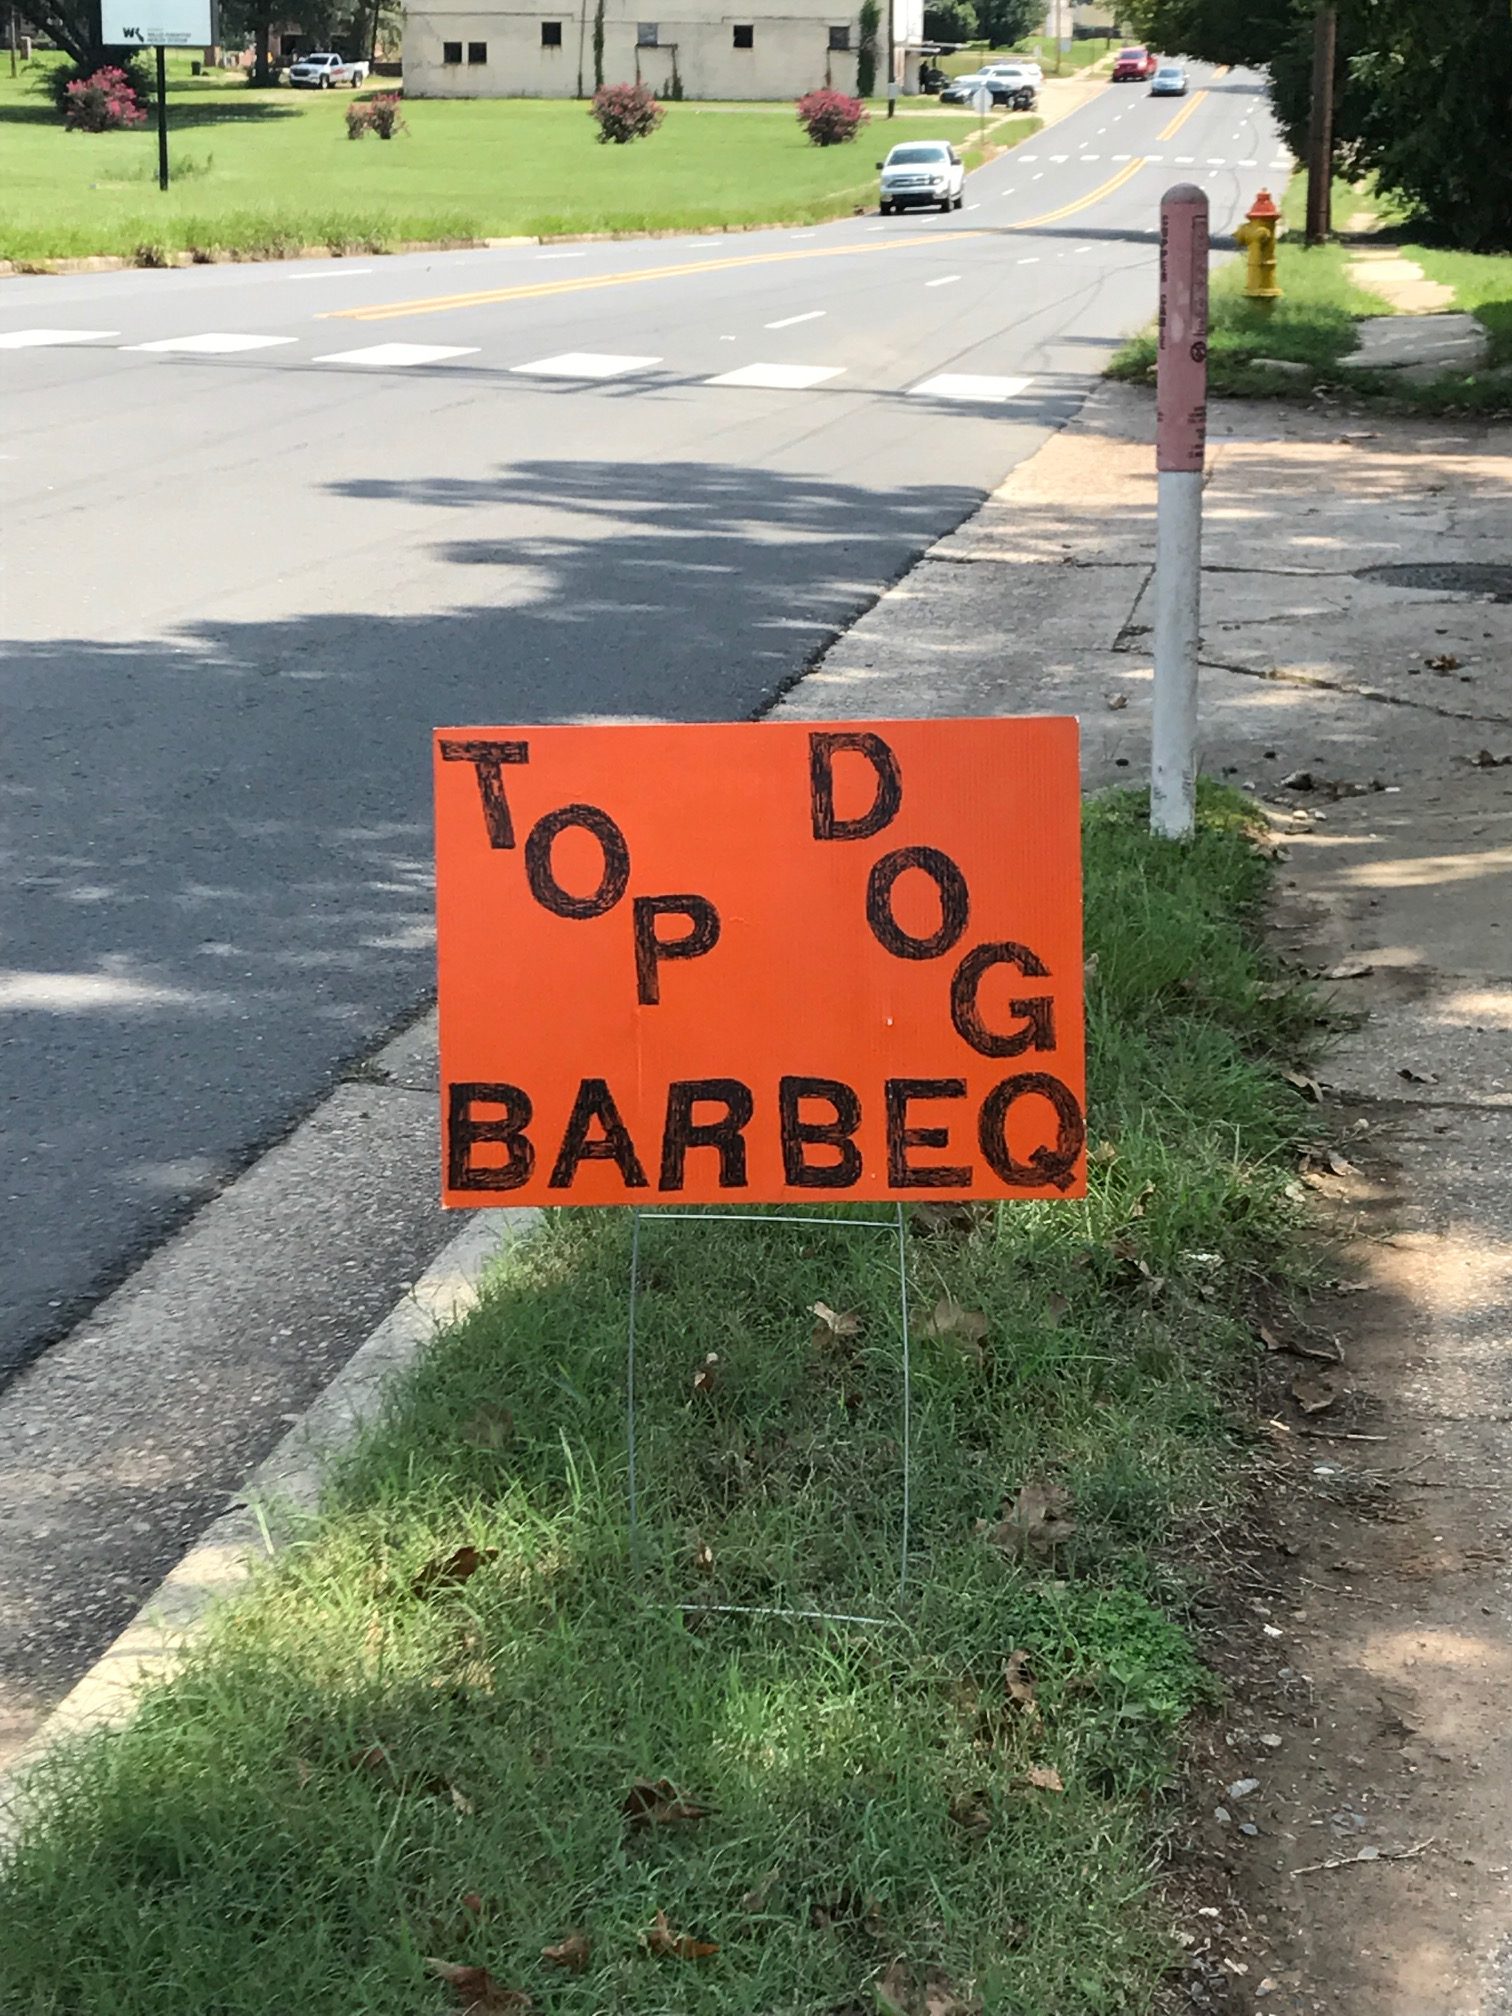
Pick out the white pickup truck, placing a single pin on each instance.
(323, 70)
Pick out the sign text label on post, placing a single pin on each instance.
(765, 962)
(169, 24)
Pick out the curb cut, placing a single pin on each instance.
(288, 1481)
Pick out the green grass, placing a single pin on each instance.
(353, 1773)
(274, 171)
(1314, 321)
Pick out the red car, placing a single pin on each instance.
(1133, 66)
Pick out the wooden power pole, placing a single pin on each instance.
(1320, 149)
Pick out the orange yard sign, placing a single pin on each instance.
(766, 962)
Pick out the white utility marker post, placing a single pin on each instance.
(1180, 445)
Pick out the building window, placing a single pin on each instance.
(451, 52)
(745, 35)
(645, 34)
(477, 52)
(551, 34)
(840, 37)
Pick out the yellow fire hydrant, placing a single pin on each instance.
(1258, 237)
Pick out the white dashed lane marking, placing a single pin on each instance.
(779, 377)
(945, 280)
(967, 385)
(792, 321)
(212, 344)
(584, 364)
(397, 356)
(45, 339)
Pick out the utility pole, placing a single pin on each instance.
(14, 38)
(892, 57)
(1320, 129)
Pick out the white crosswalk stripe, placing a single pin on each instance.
(584, 364)
(45, 339)
(214, 343)
(397, 356)
(779, 377)
(968, 385)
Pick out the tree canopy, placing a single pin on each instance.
(1422, 93)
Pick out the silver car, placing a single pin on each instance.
(923, 172)
(1169, 81)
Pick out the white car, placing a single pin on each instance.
(1169, 81)
(923, 172)
(324, 70)
(1030, 68)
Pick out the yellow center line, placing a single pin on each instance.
(585, 283)
(537, 290)
(1084, 202)
(1182, 117)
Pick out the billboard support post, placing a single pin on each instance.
(162, 116)
(1180, 452)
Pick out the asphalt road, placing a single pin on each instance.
(243, 580)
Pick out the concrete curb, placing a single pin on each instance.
(288, 1482)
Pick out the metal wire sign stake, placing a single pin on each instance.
(767, 963)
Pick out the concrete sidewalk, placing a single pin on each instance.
(1354, 644)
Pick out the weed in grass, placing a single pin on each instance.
(454, 1722)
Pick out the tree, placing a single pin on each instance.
(868, 21)
(1004, 22)
(1421, 90)
(950, 21)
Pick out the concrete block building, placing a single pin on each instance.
(765, 49)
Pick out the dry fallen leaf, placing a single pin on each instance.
(1443, 661)
(1103, 1154)
(449, 1571)
(670, 1945)
(472, 1901)
(833, 1325)
(703, 1556)
(571, 1952)
(1045, 1778)
(1142, 1197)
(657, 1804)
(1350, 969)
(477, 1992)
(1483, 759)
(1312, 1393)
(707, 1374)
(1116, 701)
(1417, 1077)
(1038, 1520)
(1304, 1083)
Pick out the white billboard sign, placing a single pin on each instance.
(166, 24)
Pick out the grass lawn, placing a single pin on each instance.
(389, 1752)
(1314, 322)
(266, 172)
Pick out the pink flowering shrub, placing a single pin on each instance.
(626, 112)
(103, 103)
(382, 115)
(829, 118)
